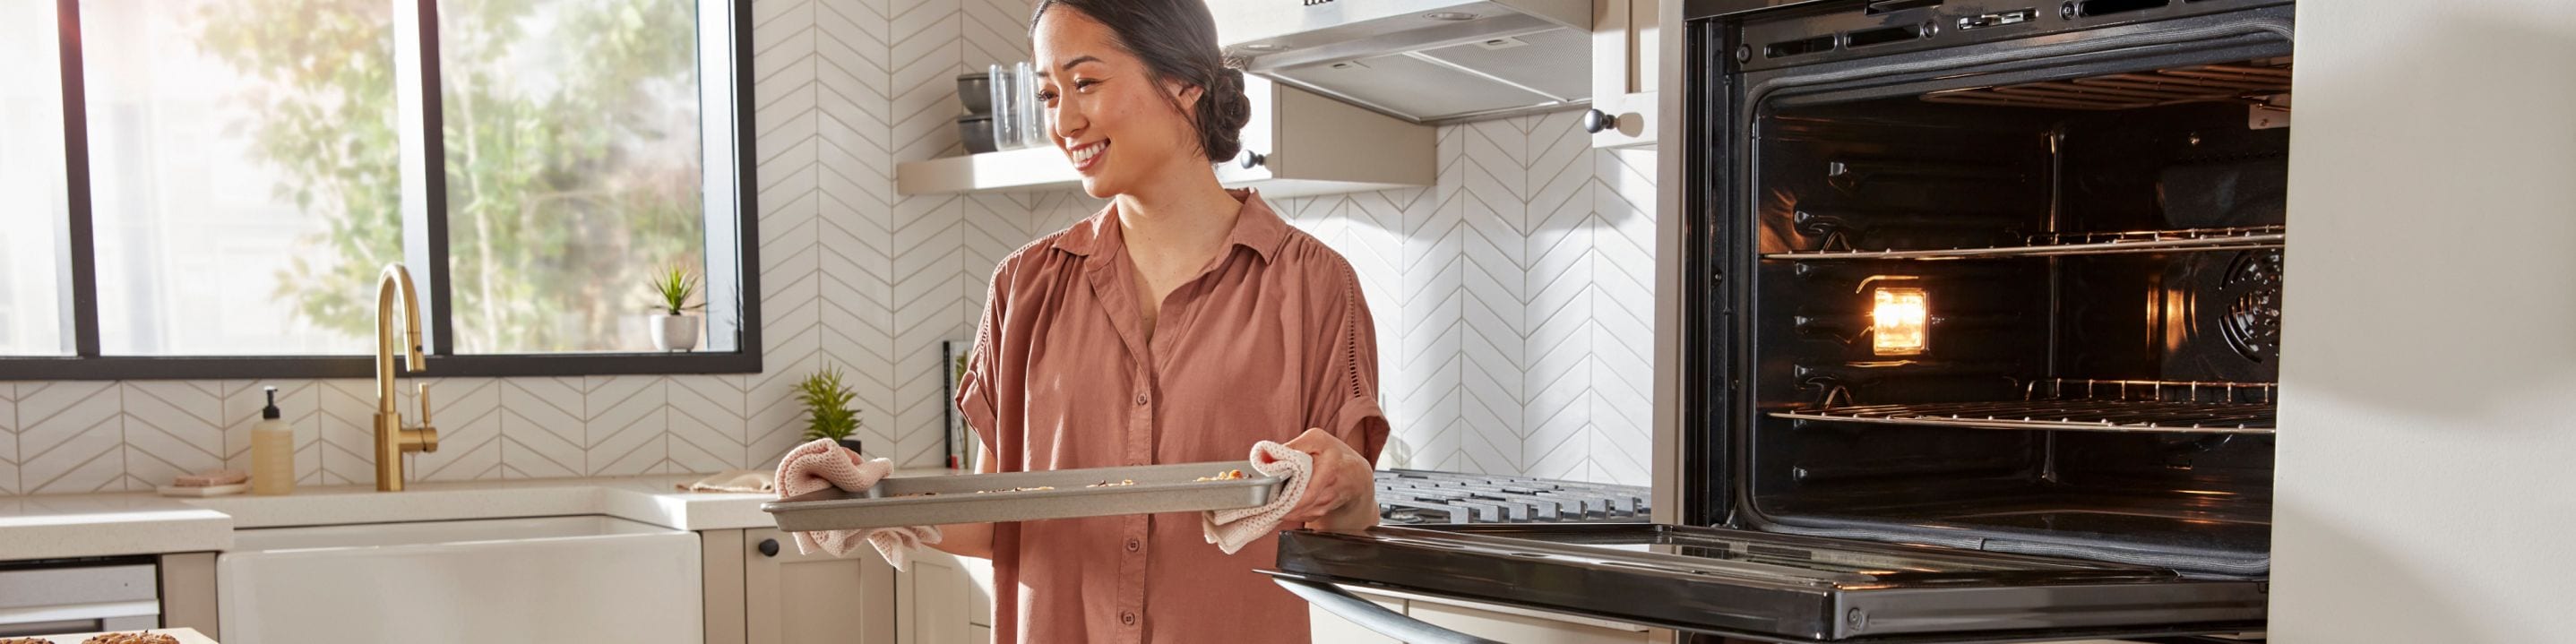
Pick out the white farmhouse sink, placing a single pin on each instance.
(553, 579)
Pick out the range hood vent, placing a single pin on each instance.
(1424, 61)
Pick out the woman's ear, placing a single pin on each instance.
(1183, 92)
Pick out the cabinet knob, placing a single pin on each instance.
(769, 547)
(1594, 121)
(1251, 159)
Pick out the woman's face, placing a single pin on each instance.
(1111, 117)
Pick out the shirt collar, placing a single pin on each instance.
(1256, 227)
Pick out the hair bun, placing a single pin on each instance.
(1222, 111)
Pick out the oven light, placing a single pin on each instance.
(1898, 321)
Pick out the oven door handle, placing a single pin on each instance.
(1367, 614)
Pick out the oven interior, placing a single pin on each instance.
(2038, 318)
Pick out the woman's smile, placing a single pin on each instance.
(1086, 157)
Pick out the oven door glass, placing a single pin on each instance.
(1774, 587)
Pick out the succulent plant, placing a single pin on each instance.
(827, 405)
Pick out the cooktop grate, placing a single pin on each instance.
(2083, 405)
(1423, 496)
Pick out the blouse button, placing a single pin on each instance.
(1140, 399)
(1127, 617)
(1134, 545)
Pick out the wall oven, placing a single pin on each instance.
(1978, 316)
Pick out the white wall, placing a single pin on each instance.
(2429, 373)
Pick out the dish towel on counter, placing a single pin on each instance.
(823, 464)
(733, 481)
(1232, 529)
(210, 478)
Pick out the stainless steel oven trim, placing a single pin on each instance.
(2042, 595)
(1367, 614)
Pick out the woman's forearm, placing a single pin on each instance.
(970, 539)
(966, 540)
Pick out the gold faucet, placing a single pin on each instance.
(392, 439)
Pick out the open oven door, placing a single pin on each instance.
(1773, 587)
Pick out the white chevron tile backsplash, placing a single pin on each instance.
(1512, 299)
(172, 427)
(706, 421)
(543, 428)
(71, 437)
(467, 414)
(627, 427)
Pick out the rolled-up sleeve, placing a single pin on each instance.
(976, 395)
(1344, 398)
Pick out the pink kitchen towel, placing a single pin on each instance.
(1232, 529)
(823, 464)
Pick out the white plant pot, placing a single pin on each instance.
(675, 332)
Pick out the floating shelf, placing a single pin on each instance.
(1022, 169)
(2066, 244)
(2081, 405)
(1296, 144)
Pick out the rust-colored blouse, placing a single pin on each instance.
(1270, 339)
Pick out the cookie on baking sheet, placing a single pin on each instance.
(144, 637)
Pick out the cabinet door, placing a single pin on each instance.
(944, 598)
(1625, 57)
(791, 598)
(931, 601)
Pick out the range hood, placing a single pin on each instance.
(1424, 61)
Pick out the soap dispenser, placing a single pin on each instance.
(272, 451)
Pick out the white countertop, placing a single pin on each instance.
(91, 525)
(134, 523)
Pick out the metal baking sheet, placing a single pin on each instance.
(986, 498)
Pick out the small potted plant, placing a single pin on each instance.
(673, 328)
(827, 408)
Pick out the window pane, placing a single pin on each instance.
(33, 203)
(573, 169)
(245, 173)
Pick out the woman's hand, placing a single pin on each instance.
(1342, 495)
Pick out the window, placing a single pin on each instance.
(33, 203)
(572, 166)
(242, 170)
(225, 186)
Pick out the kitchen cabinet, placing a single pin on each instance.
(188, 592)
(944, 599)
(1489, 622)
(1625, 59)
(759, 590)
(1297, 143)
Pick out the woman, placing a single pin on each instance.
(1182, 323)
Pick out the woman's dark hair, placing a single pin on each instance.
(1177, 40)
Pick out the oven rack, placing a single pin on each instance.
(2081, 405)
(2251, 84)
(2068, 244)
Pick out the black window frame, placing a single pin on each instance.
(87, 363)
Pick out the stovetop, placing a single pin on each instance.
(1423, 496)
